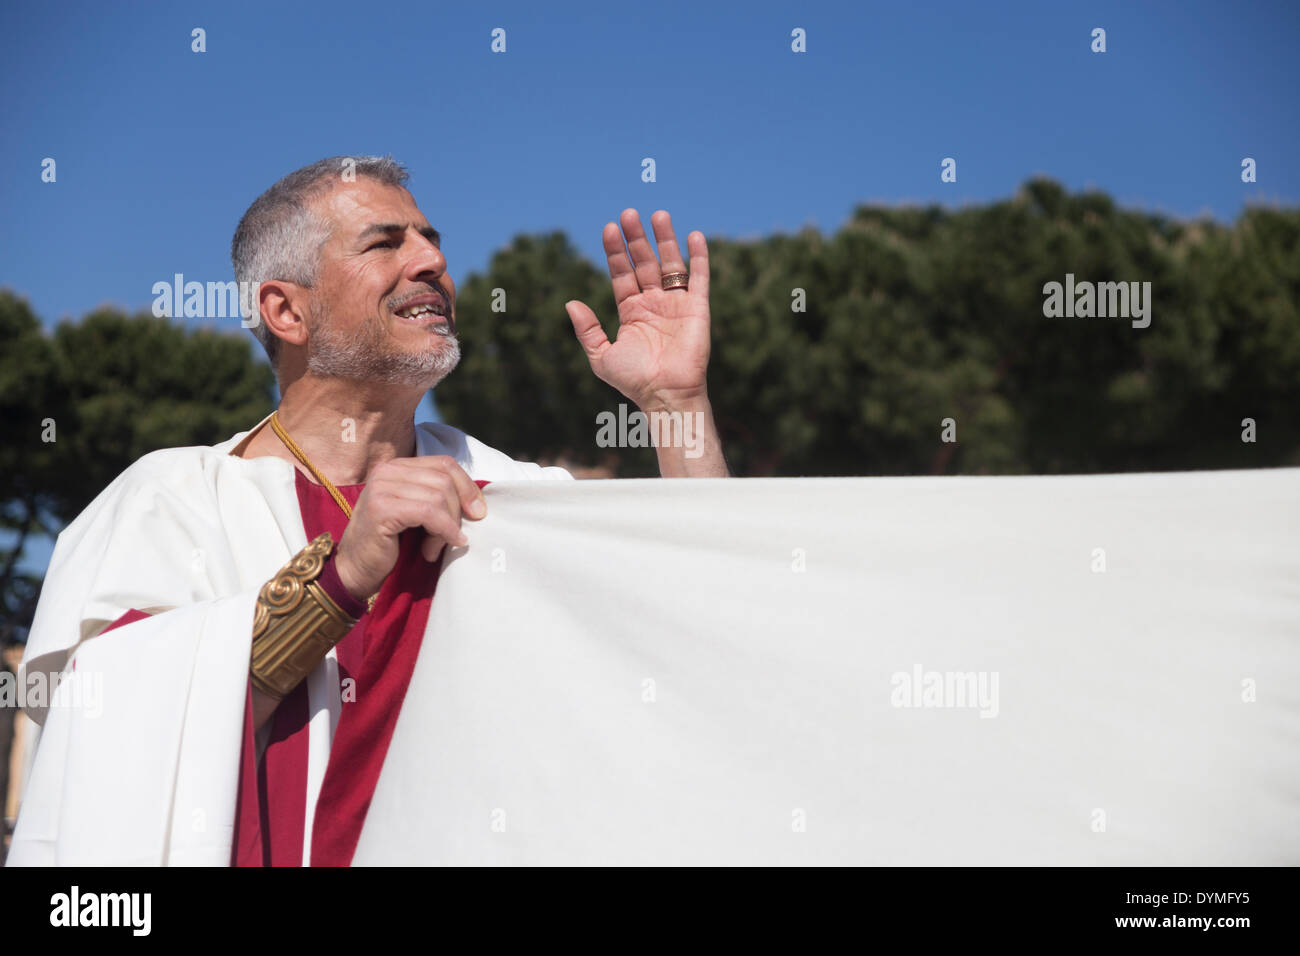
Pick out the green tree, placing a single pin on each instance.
(912, 316)
(832, 355)
(523, 383)
(81, 405)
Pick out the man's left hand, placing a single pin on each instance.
(661, 354)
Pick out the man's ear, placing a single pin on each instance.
(284, 307)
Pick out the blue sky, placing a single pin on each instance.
(159, 149)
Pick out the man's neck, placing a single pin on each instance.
(345, 428)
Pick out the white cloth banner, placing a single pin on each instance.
(1061, 670)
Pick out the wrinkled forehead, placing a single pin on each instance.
(349, 208)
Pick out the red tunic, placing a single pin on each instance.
(379, 655)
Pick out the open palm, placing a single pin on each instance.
(661, 353)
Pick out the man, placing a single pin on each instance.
(163, 590)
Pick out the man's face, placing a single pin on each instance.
(383, 304)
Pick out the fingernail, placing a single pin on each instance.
(477, 509)
(462, 541)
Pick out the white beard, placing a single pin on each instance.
(367, 354)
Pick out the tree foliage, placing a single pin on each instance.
(82, 404)
(916, 315)
(910, 316)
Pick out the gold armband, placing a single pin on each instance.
(296, 622)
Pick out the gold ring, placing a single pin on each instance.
(675, 280)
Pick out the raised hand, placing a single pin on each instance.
(661, 352)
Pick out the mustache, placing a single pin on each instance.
(437, 290)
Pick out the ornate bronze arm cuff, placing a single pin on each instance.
(296, 622)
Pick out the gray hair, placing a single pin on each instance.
(280, 237)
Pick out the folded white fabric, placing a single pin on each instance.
(1060, 670)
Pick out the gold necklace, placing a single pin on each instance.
(301, 455)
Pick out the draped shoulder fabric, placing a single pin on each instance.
(138, 758)
(1009, 671)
